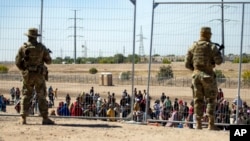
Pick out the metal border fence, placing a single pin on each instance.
(146, 81)
(95, 79)
(156, 4)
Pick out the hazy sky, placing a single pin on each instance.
(105, 27)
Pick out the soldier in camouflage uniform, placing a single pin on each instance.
(201, 58)
(30, 61)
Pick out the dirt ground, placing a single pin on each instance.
(95, 130)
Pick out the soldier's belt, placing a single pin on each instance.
(32, 68)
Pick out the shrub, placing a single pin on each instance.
(220, 76)
(3, 69)
(93, 71)
(244, 60)
(165, 72)
(166, 61)
(246, 77)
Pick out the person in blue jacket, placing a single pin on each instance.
(2, 104)
(63, 110)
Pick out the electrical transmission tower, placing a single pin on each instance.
(85, 50)
(141, 46)
(75, 35)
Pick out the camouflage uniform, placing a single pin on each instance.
(30, 61)
(201, 58)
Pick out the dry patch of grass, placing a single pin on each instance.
(228, 69)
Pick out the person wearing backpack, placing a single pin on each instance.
(202, 57)
(31, 60)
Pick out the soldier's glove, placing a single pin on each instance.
(26, 57)
(221, 47)
(22, 65)
(49, 50)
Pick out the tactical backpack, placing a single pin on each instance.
(33, 56)
(202, 52)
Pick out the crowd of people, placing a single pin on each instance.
(14, 98)
(92, 104)
(15, 94)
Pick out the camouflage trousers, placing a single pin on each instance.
(33, 82)
(204, 92)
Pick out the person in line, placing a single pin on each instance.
(62, 109)
(111, 113)
(220, 96)
(2, 104)
(190, 115)
(76, 108)
(12, 93)
(163, 97)
(18, 94)
(51, 95)
(55, 93)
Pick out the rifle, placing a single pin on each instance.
(220, 46)
(49, 50)
(192, 87)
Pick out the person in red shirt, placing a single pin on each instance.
(76, 108)
(220, 96)
(190, 114)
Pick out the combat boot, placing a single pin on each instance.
(198, 124)
(211, 125)
(47, 121)
(23, 120)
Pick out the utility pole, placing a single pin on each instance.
(222, 28)
(41, 22)
(222, 20)
(133, 59)
(75, 38)
(75, 35)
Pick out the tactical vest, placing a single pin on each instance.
(33, 56)
(202, 53)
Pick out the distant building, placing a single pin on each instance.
(159, 59)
